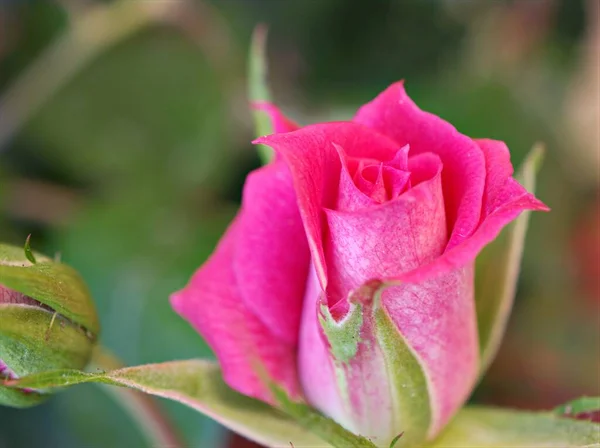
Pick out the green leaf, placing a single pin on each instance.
(258, 89)
(366, 334)
(497, 271)
(483, 427)
(53, 284)
(197, 384)
(581, 405)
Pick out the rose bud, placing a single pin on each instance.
(47, 320)
(347, 277)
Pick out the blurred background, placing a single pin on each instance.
(125, 139)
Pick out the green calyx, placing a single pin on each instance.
(366, 338)
(47, 320)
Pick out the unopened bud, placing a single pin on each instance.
(47, 320)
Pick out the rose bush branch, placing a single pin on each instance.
(199, 385)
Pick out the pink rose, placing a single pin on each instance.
(347, 275)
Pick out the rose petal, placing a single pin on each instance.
(355, 192)
(503, 201)
(349, 197)
(355, 392)
(311, 156)
(437, 319)
(271, 260)
(397, 116)
(211, 302)
(385, 240)
(500, 187)
(314, 360)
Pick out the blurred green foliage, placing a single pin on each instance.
(133, 170)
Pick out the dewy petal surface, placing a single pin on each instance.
(394, 114)
(314, 162)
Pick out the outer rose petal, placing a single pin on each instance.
(500, 187)
(279, 121)
(437, 319)
(394, 114)
(271, 258)
(247, 299)
(317, 375)
(503, 201)
(314, 162)
(362, 404)
(212, 303)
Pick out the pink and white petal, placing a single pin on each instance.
(386, 240)
(437, 320)
(317, 374)
(279, 121)
(271, 260)
(355, 392)
(243, 345)
(313, 160)
(394, 114)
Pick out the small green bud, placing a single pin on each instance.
(47, 320)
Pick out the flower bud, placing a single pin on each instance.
(47, 320)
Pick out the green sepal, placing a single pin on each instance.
(54, 284)
(497, 270)
(258, 89)
(17, 398)
(368, 328)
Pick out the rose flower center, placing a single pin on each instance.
(380, 181)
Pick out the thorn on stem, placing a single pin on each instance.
(50, 327)
(28, 254)
(396, 439)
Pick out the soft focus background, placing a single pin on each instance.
(125, 138)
